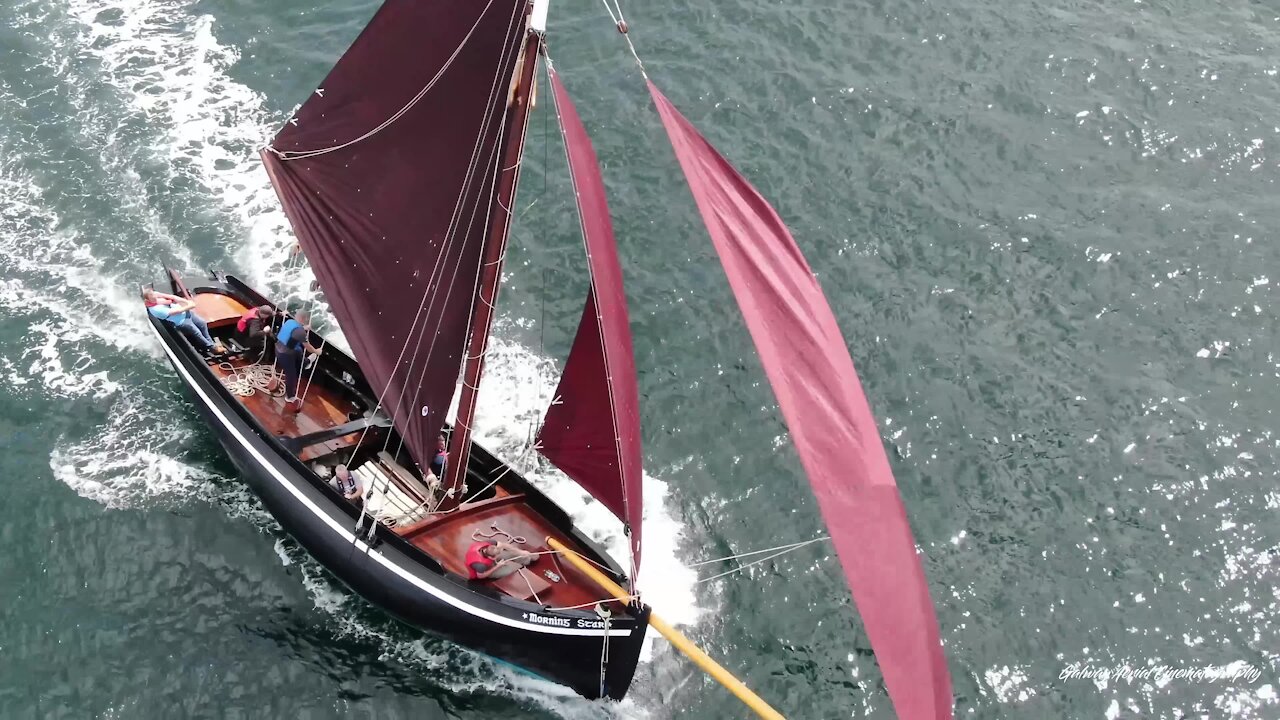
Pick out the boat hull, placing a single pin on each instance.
(564, 647)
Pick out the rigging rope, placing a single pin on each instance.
(463, 450)
(437, 273)
(315, 363)
(766, 558)
(604, 351)
(777, 551)
(542, 322)
(584, 557)
(506, 469)
(590, 604)
(620, 22)
(604, 649)
(788, 547)
(525, 577)
(532, 434)
(479, 534)
(301, 154)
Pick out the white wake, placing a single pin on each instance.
(164, 59)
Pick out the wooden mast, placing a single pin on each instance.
(490, 272)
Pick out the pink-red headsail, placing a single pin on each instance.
(808, 364)
(592, 430)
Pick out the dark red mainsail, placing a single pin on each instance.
(592, 430)
(387, 174)
(807, 362)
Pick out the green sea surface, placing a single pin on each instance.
(1047, 230)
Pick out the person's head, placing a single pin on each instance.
(264, 311)
(440, 442)
(342, 472)
(303, 317)
(149, 295)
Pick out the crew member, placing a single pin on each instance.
(441, 457)
(180, 313)
(291, 341)
(253, 328)
(492, 559)
(347, 484)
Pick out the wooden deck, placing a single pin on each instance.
(445, 537)
(219, 310)
(322, 410)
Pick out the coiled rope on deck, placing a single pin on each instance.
(247, 380)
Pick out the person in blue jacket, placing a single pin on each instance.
(180, 312)
(291, 341)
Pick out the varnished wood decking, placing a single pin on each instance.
(218, 310)
(445, 537)
(323, 409)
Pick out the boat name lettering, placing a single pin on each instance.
(540, 620)
(592, 624)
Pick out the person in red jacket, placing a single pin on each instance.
(253, 329)
(491, 559)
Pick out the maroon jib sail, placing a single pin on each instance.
(387, 174)
(592, 429)
(808, 364)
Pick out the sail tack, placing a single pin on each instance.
(592, 429)
(808, 364)
(387, 175)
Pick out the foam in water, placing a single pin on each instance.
(44, 262)
(45, 259)
(167, 63)
(460, 670)
(126, 464)
(211, 126)
(515, 391)
(75, 315)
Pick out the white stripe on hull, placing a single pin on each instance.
(347, 536)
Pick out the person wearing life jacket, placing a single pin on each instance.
(254, 326)
(347, 484)
(490, 559)
(180, 313)
(441, 457)
(291, 342)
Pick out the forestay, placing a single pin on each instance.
(592, 429)
(387, 174)
(808, 364)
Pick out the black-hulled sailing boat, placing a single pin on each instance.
(397, 176)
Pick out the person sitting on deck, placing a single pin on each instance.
(290, 342)
(254, 326)
(180, 312)
(441, 456)
(493, 559)
(347, 484)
